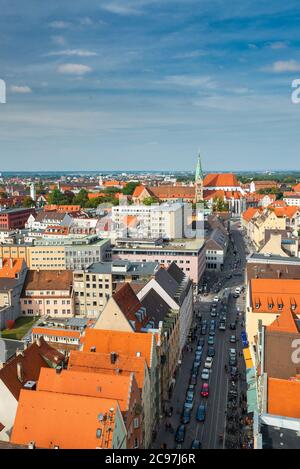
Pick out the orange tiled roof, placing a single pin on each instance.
(107, 386)
(138, 191)
(68, 421)
(173, 192)
(11, 267)
(220, 180)
(250, 213)
(286, 322)
(94, 362)
(265, 292)
(126, 343)
(296, 188)
(283, 397)
(56, 332)
(285, 211)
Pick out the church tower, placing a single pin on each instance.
(199, 180)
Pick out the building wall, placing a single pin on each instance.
(61, 304)
(92, 292)
(8, 409)
(192, 265)
(185, 318)
(112, 318)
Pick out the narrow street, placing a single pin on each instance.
(209, 432)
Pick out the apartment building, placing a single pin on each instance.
(48, 293)
(14, 218)
(154, 221)
(59, 252)
(96, 284)
(188, 254)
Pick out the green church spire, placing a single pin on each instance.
(199, 172)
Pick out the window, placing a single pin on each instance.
(136, 423)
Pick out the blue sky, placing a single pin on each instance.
(145, 84)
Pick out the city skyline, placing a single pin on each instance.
(145, 84)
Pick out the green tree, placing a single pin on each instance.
(219, 205)
(55, 197)
(28, 202)
(81, 198)
(150, 200)
(129, 188)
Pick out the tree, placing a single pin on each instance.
(130, 188)
(219, 205)
(81, 198)
(55, 197)
(150, 200)
(28, 202)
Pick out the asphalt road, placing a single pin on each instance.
(216, 403)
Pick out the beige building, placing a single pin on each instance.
(95, 285)
(268, 220)
(48, 293)
(66, 252)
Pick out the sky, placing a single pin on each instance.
(147, 84)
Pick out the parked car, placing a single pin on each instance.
(208, 362)
(232, 339)
(201, 413)
(222, 325)
(180, 434)
(193, 379)
(201, 342)
(232, 326)
(211, 352)
(186, 415)
(204, 390)
(205, 374)
(196, 444)
(203, 329)
(237, 292)
(210, 340)
(216, 299)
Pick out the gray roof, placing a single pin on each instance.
(272, 259)
(7, 283)
(8, 348)
(155, 306)
(279, 438)
(176, 272)
(167, 282)
(119, 266)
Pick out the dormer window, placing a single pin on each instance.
(257, 305)
(293, 306)
(270, 305)
(280, 306)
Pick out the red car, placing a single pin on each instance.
(205, 390)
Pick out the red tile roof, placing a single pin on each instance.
(67, 421)
(220, 180)
(126, 343)
(129, 304)
(265, 292)
(283, 397)
(31, 361)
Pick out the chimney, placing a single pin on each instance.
(20, 371)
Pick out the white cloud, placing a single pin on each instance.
(120, 9)
(86, 21)
(58, 40)
(189, 81)
(59, 24)
(73, 52)
(282, 66)
(278, 45)
(20, 89)
(74, 69)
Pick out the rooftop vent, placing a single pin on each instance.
(113, 358)
(30, 385)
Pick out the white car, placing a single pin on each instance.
(205, 374)
(216, 299)
(208, 362)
